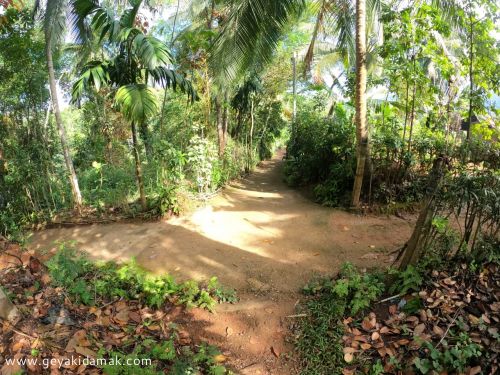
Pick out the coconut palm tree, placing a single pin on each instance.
(134, 62)
(362, 150)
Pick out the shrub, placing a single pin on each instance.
(86, 281)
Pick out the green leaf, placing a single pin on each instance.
(136, 101)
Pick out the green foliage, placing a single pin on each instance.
(405, 281)
(152, 357)
(201, 157)
(222, 293)
(86, 281)
(452, 359)
(319, 340)
(321, 151)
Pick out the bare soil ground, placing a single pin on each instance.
(257, 236)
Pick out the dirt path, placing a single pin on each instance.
(259, 237)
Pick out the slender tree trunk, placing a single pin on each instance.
(412, 116)
(294, 90)
(220, 125)
(146, 137)
(252, 124)
(360, 101)
(2, 166)
(471, 81)
(414, 248)
(175, 21)
(406, 117)
(165, 92)
(225, 120)
(138, 169)
(75, 189)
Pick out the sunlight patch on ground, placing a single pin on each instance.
(250, 231)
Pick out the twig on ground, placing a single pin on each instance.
(448, 328)
(296, 316)
(391, 297)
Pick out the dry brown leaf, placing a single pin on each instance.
(78, 339)
(412, 319)
(135, 316)
(349, 350)
(368, 324)
(347, 371)
(438, 330)
(390, 351)
(365, 346)
(393, 309)
(379, 344)
(474, 370)
(122, 317)
(384, 330)
(275, 352)
(361, 338)
(219, 358)
(85, 352)
(375, 336)
(356, 332)
(423, 315)
(12, 368)
(419, 329)
(403, 342)
(348, 357)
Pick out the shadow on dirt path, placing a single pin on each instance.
(257, 236)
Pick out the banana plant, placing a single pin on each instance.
(135, 63)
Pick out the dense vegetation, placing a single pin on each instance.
(121, 109)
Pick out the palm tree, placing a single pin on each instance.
(54, 25)
(362, 150)
(135, 61)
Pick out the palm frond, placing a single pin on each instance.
(95, 74)
(318, 26)
(151, 51)
(55, 22)
(136, 101)
(128, 18)
(168, 78)
(251, 33)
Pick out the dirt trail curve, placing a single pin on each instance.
(258, 236)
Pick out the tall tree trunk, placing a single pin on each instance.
(138, 169)
(360, 101)
(75, 189)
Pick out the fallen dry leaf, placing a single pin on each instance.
(348, 357)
